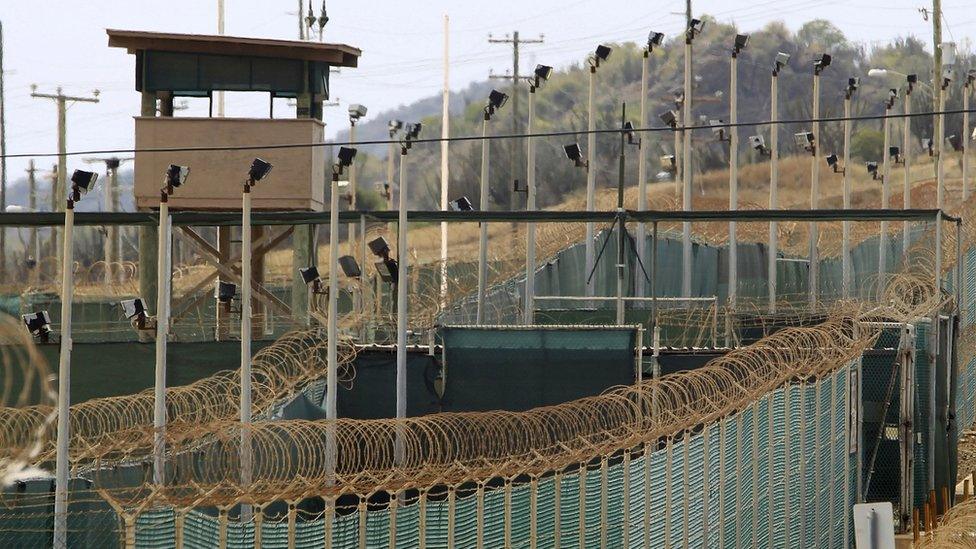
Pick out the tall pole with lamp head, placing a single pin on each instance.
(495, 101)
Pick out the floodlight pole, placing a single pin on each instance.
(733, 176)
(678, 159)
(771, 270)
(530, 206)
(163, 280)
(352, 189)
(845, 252)
(245, 398)
(885, 192)
(62, 466)
(686, 172)
(483, 206)
(814, 267)
(621, 228)
(967, 89)
(642, 177)
(332, 335)
(403, 258)
(590, 174)
(940, 144)
(907, 161)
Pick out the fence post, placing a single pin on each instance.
(603, 502)
(393, 505)
(626, 500)
(451, 506)
(667, 493)
(906, 436)
(556, 500)
(787, 464)
(686, 496)
(802, 464)
(179, 524)
(755, 472)
(582, 505)
(647, 484)
(533, 511)
(422, 522)
(817, 390)
(480, 516)
(508, 513)
(722, 477)
(361, 512)
(327, 519)
(292, 519)
(706, 482)
(258, 525)
(222, 527)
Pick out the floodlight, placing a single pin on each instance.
(629, 133)
(718, 130)
(356, 112)
(954, 142)
(38, 324)
(496, 100)
(834, 163)
(413, 130)
(872, 169)
(259, 170)
(175, 177)
(740, 42)
(388, 269)
(821, 63)
(892, 96)
(948, 53)
(804, 140)
(668, 163)
(133, 308)
(225, 292)
(541, 74)
(575, 153)
(461, 205)
(679, 98)
(654, 39)
(346, 156)
(379, 247)
(928, 143)
(782, 60)
(670, 118)
(603, 52)
(758, 143)
(394, 126)
(852, 84)
(350, 267)
(895, 153)
(310, 275)
(695, 27)
(83, 182)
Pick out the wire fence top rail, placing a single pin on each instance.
(194, 218)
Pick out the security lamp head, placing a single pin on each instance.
(574, 152)
(176, 176)
(872, 167)
(832, 160)
(782, 60)
(911, 79)
(628, 130)
(929, 144)
(602, 52)
(349, 266)
(225, 291)
(379, 247)
(654, 39)
(356, 112)
(346, 155)
(822, 62)
(259, 170)
(670, 118)
(803, 139)
(894, 151)
(740, 42)
(853, 83)
(461, 205)
(83, 182)
(394, 126)
(133, 308)
(757, 142)
(497, 99)
(541, 74)
(948, 74)
(954, 142)
(38, 324)
(309, 274)
(695, 27)
(413, 130)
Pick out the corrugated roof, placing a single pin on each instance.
(339, 55)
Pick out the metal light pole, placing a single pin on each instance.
(814, 269)
(163, 280)
(694, 28)
(642, 175)
(590, 174)
(740, 42)
(946, 60)
(62, 466)
(403, 258)
(907, 160)
(529, 207)
(846, 225)
(967, 89)
(495, 101)
(885, 184)
(771, 271)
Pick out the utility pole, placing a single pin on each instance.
(60, 187)
(3, 164)
(32, 248)
(220, 31)
(515, 41)
(112, 247)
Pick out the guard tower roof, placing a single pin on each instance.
(337, 55)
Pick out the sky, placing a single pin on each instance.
(63, 43)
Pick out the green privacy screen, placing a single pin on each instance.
(515, 369)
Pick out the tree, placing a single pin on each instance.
(867, 144)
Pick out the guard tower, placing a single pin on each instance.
(172, 65)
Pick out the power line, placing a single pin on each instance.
(565, 133)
